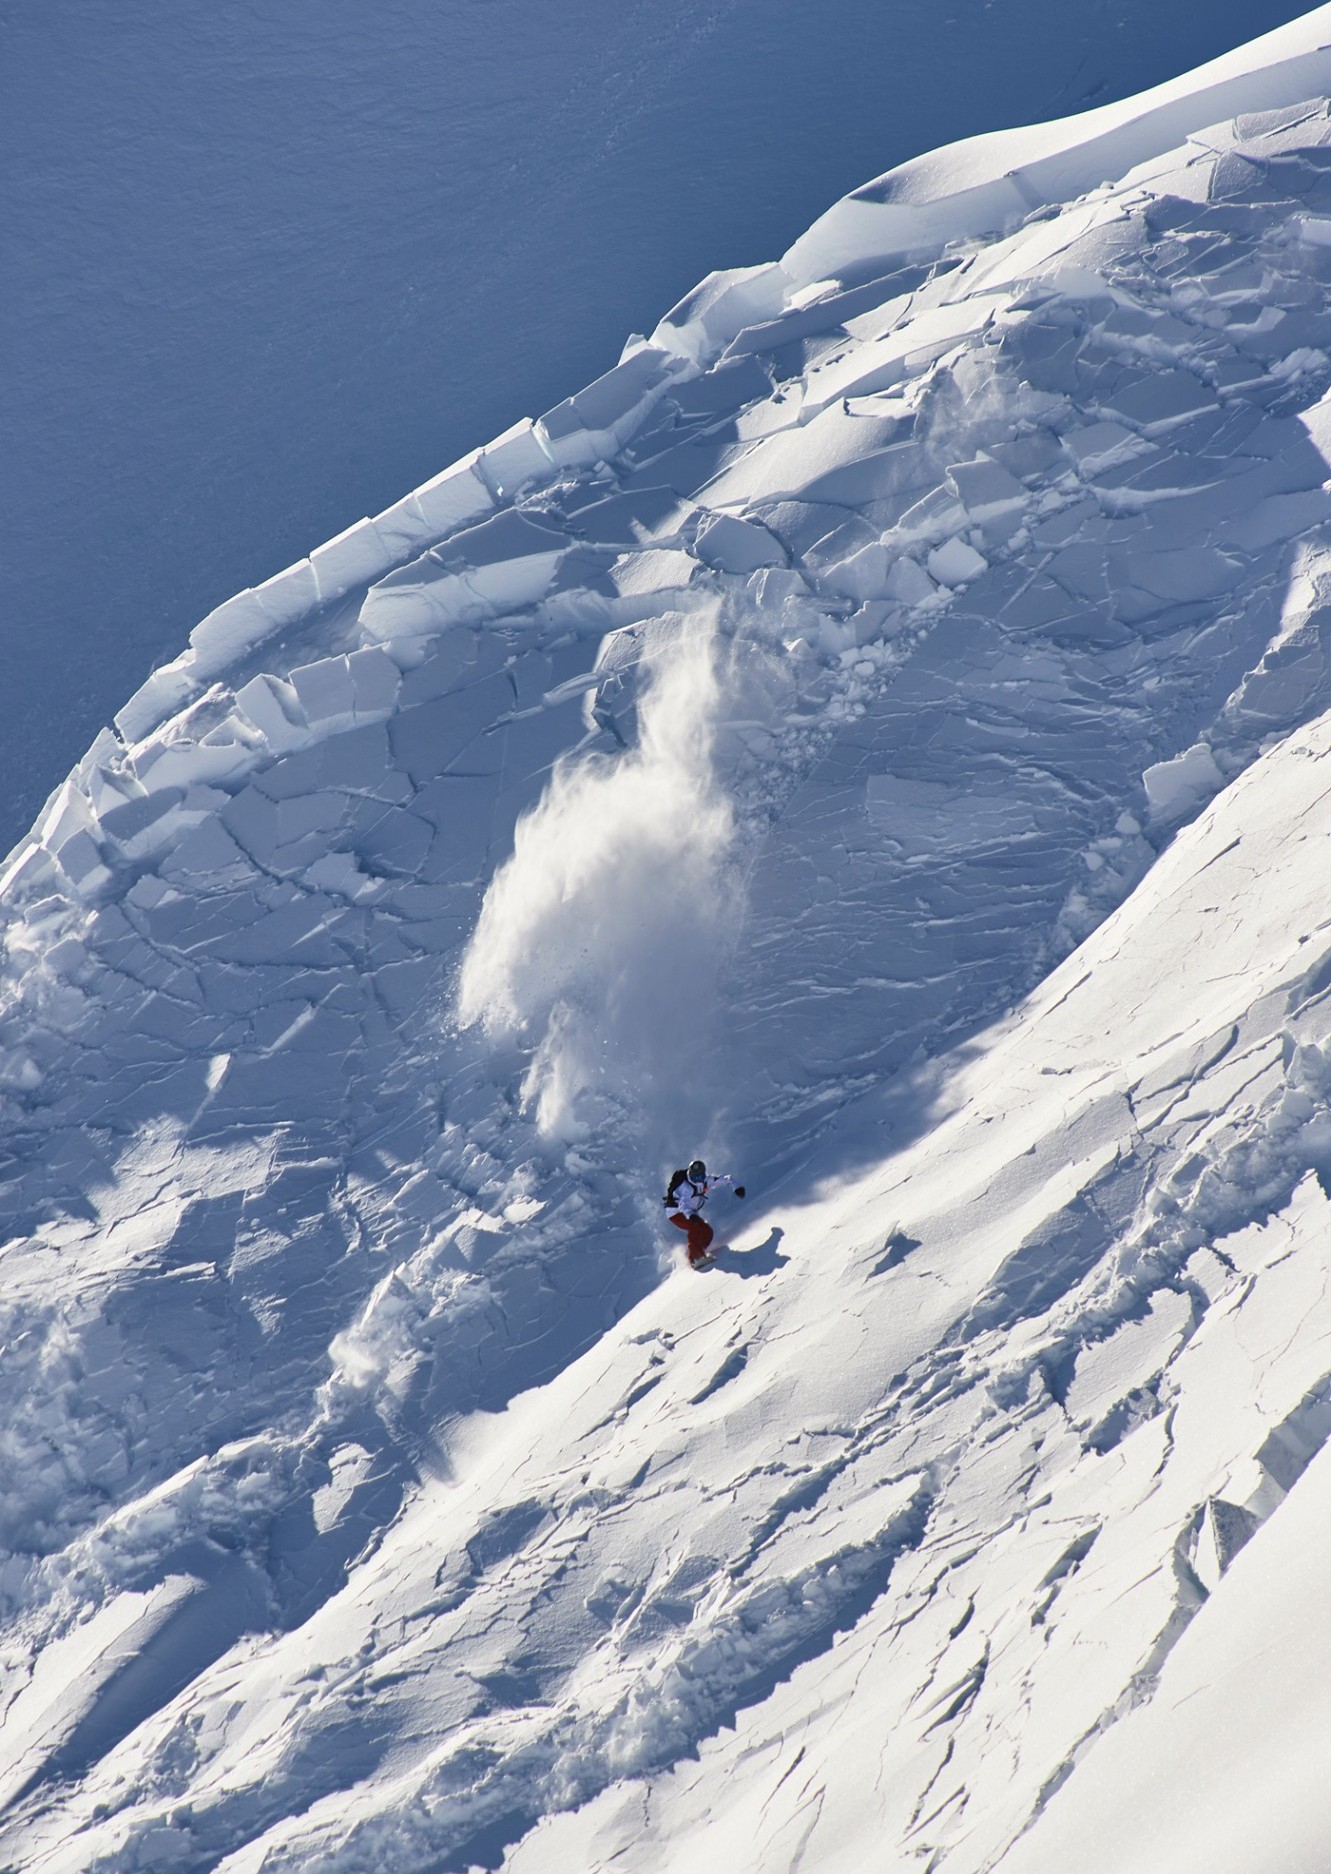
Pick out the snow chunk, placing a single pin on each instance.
(288, 595)
(450, 499)
(1099, 445)
(80, 859)
(592, 424)
(325, 689)
(658, 570)
(732, 545)
(137, 826)
(1177, 788)
(908, 583)
(862, 575)
(985, 488)
(164, 692)
(718, 309)
(1162, 399)
(29, 867)
(228, 632)
(274, 709)
(513, 459)
(375, 679)
(351, 558)
(955, 563)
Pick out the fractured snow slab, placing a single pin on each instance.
(955, 563)
(302, 1272)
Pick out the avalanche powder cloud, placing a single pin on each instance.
(600, 940)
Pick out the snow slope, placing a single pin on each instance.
(874, 735)
(268, 269)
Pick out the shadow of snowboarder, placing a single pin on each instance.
(761, 1260)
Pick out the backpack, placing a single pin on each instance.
(676, 1179)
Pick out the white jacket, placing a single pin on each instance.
(690, 1197)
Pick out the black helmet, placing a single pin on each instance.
(697, 1170)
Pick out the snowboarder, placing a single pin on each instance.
(685, 1196)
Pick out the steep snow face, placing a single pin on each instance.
(875, 732)
(265, 276)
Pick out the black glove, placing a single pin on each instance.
(739, 1190)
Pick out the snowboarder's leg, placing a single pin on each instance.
(699, 1234)
(700, 1239)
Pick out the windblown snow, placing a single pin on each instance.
(873, 736)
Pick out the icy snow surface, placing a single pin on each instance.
(874, 736)
(268, 265)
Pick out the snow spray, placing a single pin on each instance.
(599, 941)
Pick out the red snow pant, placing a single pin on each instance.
(700, 1234)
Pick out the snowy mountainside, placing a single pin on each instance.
(240, 243)
(873, 734)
